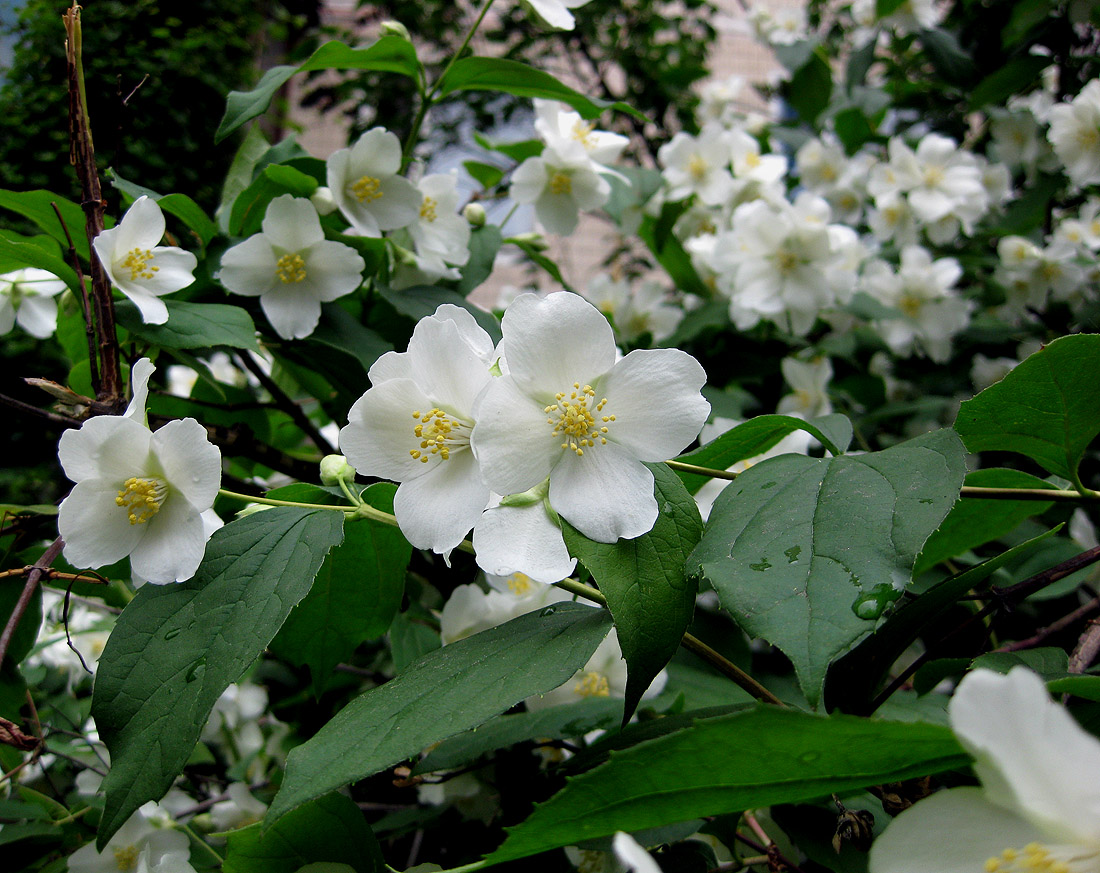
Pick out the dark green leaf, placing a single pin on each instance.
(1027, 15)
(338, 330)
(355, 596)
(948, 57)
(643, 580)
(176, 648)
(42, 252)
(810, 87)
(179, 205)
(331, 828)
(859, 63)
(469, 682)
(422, 300)
(485, 242)
(1015, 77)
(1047, 408)
(513, 77)
(486, 175)
(35, 205)
(537, 257)
(975, 521)
(1029, 211)
(192, 325)
(808, 553)
(409, 640)
(251, 204)
(1046, 661)
(758, 758)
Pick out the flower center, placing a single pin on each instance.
(582, 131)
(519, 584)
(560, 183)
(786, 261)
(126, 858)
(933, 176)
(1035, 858)
(427, 209)
(592, 684)
(290, 268)
(366, 188)
(910, 304)
(142, 497)
(697, 167)
(137, 263)
(576, 418)
(438, 433)
(752, 160)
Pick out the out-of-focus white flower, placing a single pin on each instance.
(414, 425)
(239, 810)
(568, 411)
(632, 854)
(291, 267)
(698, 165)
(778, 25)
(810, 381)
(366, 186)
(440, 235)
(634, 311)
(923, 292)
(470, 610)
(142, 845)
(1038, 807)
(556, 12)
(1075, 134)
(27, 299)
(87, 628)
(140, 268)
(559, 184)
(719, 101)
(985, 371)
(138, 493)
(1082, 231)
(1030, 274)
(913, 15)
(562, 129)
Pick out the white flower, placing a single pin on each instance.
(1075, 134)
(138, 493)
(810, 381)
(469, 610)
(26, 299)
(634, 312)
(413, 426)
(291, 267)
(562, 129)
(441, 236)
(556, 12)
(1039, 805)
(559, 184)
(140, 846)
(137, 266)
(366, 186)
(633, 855)
(698, 165)
(522, 535)
(239, 810)
(567, 410)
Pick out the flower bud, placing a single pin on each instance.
(475, 214)
(323, 201)
(533, 240)
(336, 469)
(395, 28)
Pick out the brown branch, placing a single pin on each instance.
(1053, 628)
(286, 403)
(1084, 653)
(82, 157)
(33, 578)
(89, 331)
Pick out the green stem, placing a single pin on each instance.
(692, 644)
(354, 498)
(702, 471)
(1047, 494)
(428, 96)
(271, 501)
(218, 859)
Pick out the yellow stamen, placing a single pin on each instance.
(290, 268)
(910, 304)
(438, 434)
(366, 188)
(519, 584)
(592, 684)
(126, 858)
(582, 133)
(142, 497)
(427, 209)
(697, 168)
(137, 263)
(560, 183)
(576, 422)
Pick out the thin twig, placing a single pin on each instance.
(287, 404)
(33, 578)
(1084, 653)
(89, 331)
(1052, 628)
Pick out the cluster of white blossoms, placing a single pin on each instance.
(27, 298)
(568, 176)
(140, 494)
(635, 309)
(505, 440)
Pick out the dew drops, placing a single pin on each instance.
(550, 610)
(172, 633)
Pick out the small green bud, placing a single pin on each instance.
(529, 497)
(336, 469)
(475, 214)
(395, 28)
(532, 240)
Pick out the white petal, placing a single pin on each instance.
(37, 316)
(551, 342)
(142, 227)
(522, 539)
(605, 494)
(379, 435)
(191, 463)
(399, 204)
(140, 374)
(151, 308)
(96, 530)
(332, 270)
(7, 314)
(108, 447)
(436, 510)
(654, 396)
(445, 367)
(291, 223)
(512, 440)
(249, 267)
(293, 315)
(953, 831)
(175, 270)
(630, 853)
(376, 153)
(1031, 755)
(553, 12)
(173, 545)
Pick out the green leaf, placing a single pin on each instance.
(948, 57)
(756, 436)
(192, 325)
(423, 300)
(445, 692)
(855, 678)
(339, 330)
(552, 723)
(331, 828)
(26, 632)
(518, 150)
(410, 640)
(179, 205)
(758, 758)
(973, 522)
(810, 87)
(485, 242)
(808, 553)
(1047, 408)
(1014, 77)
(251, 204)
(512, 77)
(239, 177)
(390, 54)
(176, 648)
(1046, 661)
(1027, 16)
(1028, 212)
(539, 259)
(859, 63)
(36, 251)
(486, 175)
(643, 579)
(355, 596)
(35, 205)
